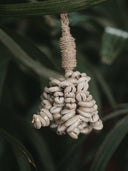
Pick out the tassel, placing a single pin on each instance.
(66, 104)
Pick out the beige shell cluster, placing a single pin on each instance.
(68, 106)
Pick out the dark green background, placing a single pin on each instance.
(30, 53)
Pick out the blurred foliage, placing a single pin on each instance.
(16, 8)
(29, 54)
(113, 42)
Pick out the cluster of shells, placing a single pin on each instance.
(68, 106)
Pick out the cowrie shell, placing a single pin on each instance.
(82, 87)
(83, 113)
(47, 113)
(67, 116)
(86, 130)
(55, 109)
(73, 135)
(86, 104)
(56, 94)
(59, 100)
(68, 74)
(97, 125)
(81, 96)
(70, 89)
(72, 120)
(73, 126)
(54, 89)
(69, 100)
(71, 105)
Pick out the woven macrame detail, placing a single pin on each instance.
(68, 106)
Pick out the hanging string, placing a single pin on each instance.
(67, 45)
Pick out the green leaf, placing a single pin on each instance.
(105, 87)
(76, 18)
(24, 58)
(22, 163)
(46, 7)
(75, 161)
(112, 44)
(109, 145)
(122, 105)
(90, 152)
(2, 147)
(30, 48)
(115, 114)
(16, 144)
(72, 151)
(3, 70)
(23, 129)
(41, 148)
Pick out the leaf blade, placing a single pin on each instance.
(46, 7)
(16, 144)
(110, 145)
(112, 43)
(23, 57)
(42, 149)
(3, 71)
(115, 114)
(105, 87)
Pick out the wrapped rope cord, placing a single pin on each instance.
(67, 45)
(67, 104)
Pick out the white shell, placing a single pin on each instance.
(65, 84)
(97, 125)
(70, 89)
(87, 104)
(83, 113)
(68, 74)
(70, 94)
(73, 135)
(73, 126)
(54, 89)
(67, 116)
(47, 113)
(55, 109)
(57, 116)
(58, 93)
(59, 100)
(54, 82)
(70, 100)
(83, 86)
(71, 105)
(72, 120)
(76, 74)
(66, 111)
(81, 97)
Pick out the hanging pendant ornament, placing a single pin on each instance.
(66, 104)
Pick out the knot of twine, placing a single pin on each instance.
(67, 45)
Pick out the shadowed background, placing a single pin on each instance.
(30, 53)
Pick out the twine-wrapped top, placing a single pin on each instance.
(67, 45)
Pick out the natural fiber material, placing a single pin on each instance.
(68, 106)
(67, 45)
